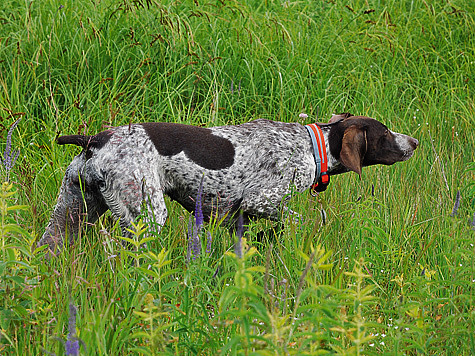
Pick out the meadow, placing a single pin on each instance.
(381, 265)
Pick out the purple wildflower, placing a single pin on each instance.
(72, 342)
(472, 224)
(303, 115)
(195, 226)
(239, 234)
(9, 157)
(209, 240)
(198, 208)
(216, 272)
(457, 204)
(196, 243)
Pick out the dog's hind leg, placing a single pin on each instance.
(78, 197)
(133, 193)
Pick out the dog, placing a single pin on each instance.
(251, 168)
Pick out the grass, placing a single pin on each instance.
(389, 272)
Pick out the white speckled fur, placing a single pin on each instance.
(271, 159)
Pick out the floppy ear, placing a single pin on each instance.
(353, 149)
(338, 117)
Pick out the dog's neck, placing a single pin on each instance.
(334, 164)
(326, 162)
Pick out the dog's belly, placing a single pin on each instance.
(222, 190)
(256, 182)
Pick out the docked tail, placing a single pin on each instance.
(78, 140)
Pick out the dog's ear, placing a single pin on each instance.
(353, 149)
(338, 117)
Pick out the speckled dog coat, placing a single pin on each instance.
(252, 167)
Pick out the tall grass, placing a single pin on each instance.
(388, 271)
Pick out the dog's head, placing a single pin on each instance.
(358, 141)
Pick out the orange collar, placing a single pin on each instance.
(321, 160)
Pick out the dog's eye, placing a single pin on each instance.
(386, 133)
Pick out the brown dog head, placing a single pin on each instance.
(359, 141)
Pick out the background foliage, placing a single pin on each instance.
(390, 268)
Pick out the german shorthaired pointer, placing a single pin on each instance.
(251, 168)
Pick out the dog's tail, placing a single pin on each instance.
(86, 142)
(78, 140)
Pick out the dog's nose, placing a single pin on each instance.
(413, 142)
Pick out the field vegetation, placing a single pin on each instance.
(382, 265)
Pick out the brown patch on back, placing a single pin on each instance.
(198, 143)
